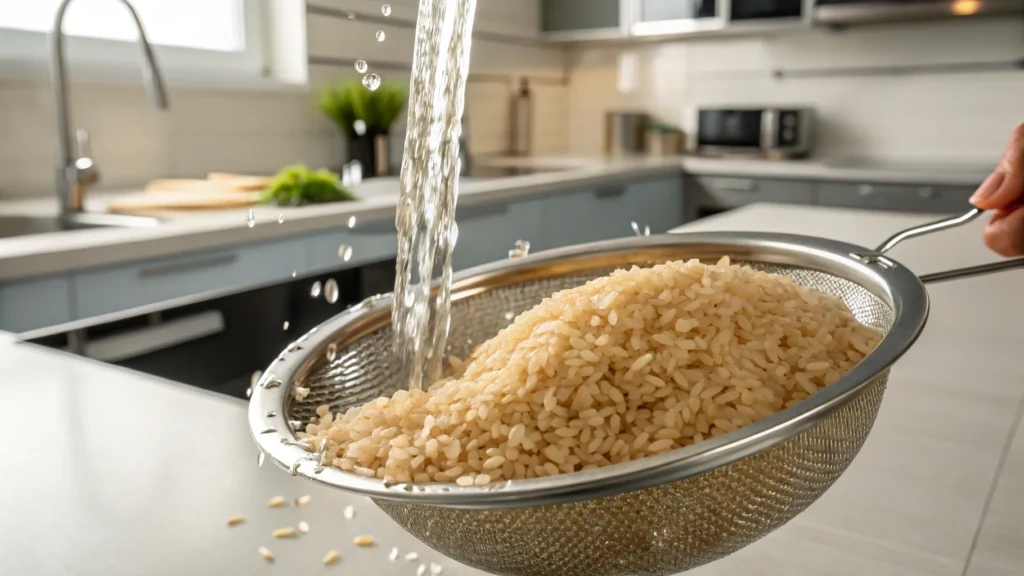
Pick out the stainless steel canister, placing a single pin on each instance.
(624, 133)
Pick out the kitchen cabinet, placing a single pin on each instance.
(487, 232)
(369, 242)
(35, 303)
(118, 288)
(605, 212)
(581, 17)
(665, 10)
(898, 198)
(709, 194)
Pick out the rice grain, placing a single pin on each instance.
(636, 363)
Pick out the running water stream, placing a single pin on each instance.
(430, 187)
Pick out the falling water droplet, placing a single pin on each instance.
(294, 273)
(509, 315)
(371, 81)
(386, 10)
(360, 127)
(280, 218)
(315, 290)
(332, 351)
(381, 36)
(285, 327)
(259, 459)
(250, 218)
(351, 221)
(361, 66)
(331, 291)
(345, 252)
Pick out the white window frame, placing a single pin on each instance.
(27, 53)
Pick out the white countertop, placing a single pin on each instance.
(112, 473)
(44, 254)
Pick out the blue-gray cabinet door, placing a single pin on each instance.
(606, 212)
(487, 232)
(35, 303)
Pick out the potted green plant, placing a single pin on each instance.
(365, 117)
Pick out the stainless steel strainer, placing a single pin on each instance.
(658, 515)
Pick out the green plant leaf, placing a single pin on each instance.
(296, 184)
(351, 101)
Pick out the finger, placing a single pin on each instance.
(1005, 186)
(1004, 233)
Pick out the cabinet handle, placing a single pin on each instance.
(179, 267)
(734, 184)
(468, 212)
(609, 192)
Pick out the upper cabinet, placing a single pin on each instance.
(568, 19)
(674, 16)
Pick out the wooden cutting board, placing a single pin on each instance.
(164, 201)
(215, 182)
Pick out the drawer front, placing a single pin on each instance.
(605, 213)
(572, 15)
(924, 199)
(370, 242)
(488, 232)
(121, 288)
(36, 303)
(657, 204)
(734, 192)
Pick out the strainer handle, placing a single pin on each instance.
(938, 226)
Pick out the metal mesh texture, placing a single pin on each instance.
(661, 530)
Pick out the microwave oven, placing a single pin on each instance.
(764, 131)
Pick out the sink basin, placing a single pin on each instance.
(20, 225)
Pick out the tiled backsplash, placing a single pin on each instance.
(951, 117)
(259, 131)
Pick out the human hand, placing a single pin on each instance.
(1003, 192)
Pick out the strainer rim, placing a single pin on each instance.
(895, 284)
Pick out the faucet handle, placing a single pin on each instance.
(86, 172)
(84, 147)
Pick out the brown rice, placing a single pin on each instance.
(632, 364)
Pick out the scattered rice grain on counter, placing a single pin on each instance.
(277, 502)
(393, 555)
(331, 558)
(236, 520)
(303, 500)
(284, 533)
(304, 527)
(364, 541)
(435, 569)
(412, 556)
(636, 363)
(421, 570)
(266, 553)
(349, 512)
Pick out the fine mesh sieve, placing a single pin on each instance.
(661, 514)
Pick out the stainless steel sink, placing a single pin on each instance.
(23, 225)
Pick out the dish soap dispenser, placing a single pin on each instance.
(522, 120)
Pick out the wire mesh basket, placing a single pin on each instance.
(661, 514)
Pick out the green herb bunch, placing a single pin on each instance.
(378, 109)
(297, 184)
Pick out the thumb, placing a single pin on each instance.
(1005, 186)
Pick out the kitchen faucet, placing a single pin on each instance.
(77, 170)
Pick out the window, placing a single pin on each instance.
(192, 38)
